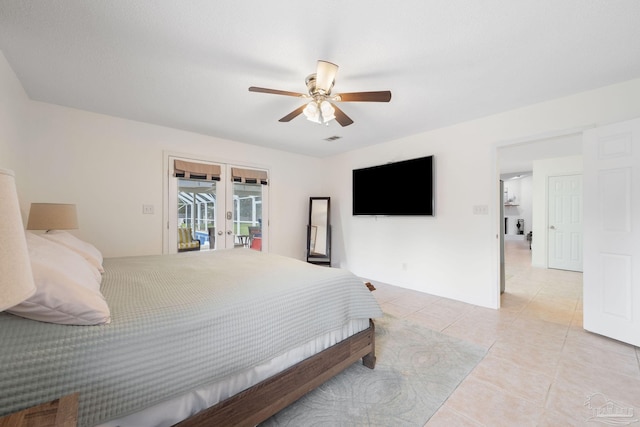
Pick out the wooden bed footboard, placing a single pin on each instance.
(256, 404)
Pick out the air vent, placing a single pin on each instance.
(332, 138)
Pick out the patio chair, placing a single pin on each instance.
(186, 242)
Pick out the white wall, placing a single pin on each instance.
(13, 122)
(455, 253)
(110, 167)
(542, 170)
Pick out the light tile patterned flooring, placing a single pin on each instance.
(541, 367)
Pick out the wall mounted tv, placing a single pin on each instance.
(401, 188)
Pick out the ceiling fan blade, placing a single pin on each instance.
(276, 92)
(379, 96)
(326, 75)
(341, 117)
(292, 115)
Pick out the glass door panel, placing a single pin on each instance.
(195, 211)
(247, 215)
(197, 205)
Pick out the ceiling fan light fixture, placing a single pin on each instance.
(319, 112)
(311, 112)
(328, 112)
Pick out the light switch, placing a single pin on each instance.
(481, 210)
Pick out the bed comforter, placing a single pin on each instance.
(178, 322)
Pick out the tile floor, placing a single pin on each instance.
(541, 367)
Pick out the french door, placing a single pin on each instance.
(224, 210)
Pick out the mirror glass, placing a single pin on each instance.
(319, 237)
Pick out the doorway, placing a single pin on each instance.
(215, 206)
(558, 154)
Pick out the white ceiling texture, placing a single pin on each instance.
(189, 64)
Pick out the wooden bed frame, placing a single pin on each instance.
(256, 404)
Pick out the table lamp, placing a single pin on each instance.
(16, 278)
(52, 216)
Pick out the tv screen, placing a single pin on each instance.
(400, 188)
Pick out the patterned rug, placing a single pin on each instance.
(416, 371)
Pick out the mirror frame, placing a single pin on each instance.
(315, 258)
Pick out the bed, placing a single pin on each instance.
(240, 332)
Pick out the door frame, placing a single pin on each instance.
(497, 197)
(167, 248)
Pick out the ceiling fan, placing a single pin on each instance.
(321, 107)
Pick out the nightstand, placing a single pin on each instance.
(61, 412)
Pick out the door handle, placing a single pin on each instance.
(552, 227)
(220, 233)
(229, 232)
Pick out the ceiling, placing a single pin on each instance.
(188, 65)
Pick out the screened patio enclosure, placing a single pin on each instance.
(196, 208)
(197, 204)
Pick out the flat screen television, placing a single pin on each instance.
(401, 188)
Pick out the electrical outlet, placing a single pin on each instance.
(147, 209)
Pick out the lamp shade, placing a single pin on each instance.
(311, 112)
(325, 76)
(319, 112)
(328, 112)
(16, 278)
(52, 216)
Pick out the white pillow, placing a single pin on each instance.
(67, 289)
(87, 250)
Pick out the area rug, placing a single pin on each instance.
(416, 370)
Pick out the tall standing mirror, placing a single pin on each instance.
(319, 231)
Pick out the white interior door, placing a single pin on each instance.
(611, 156)
(565, 222)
